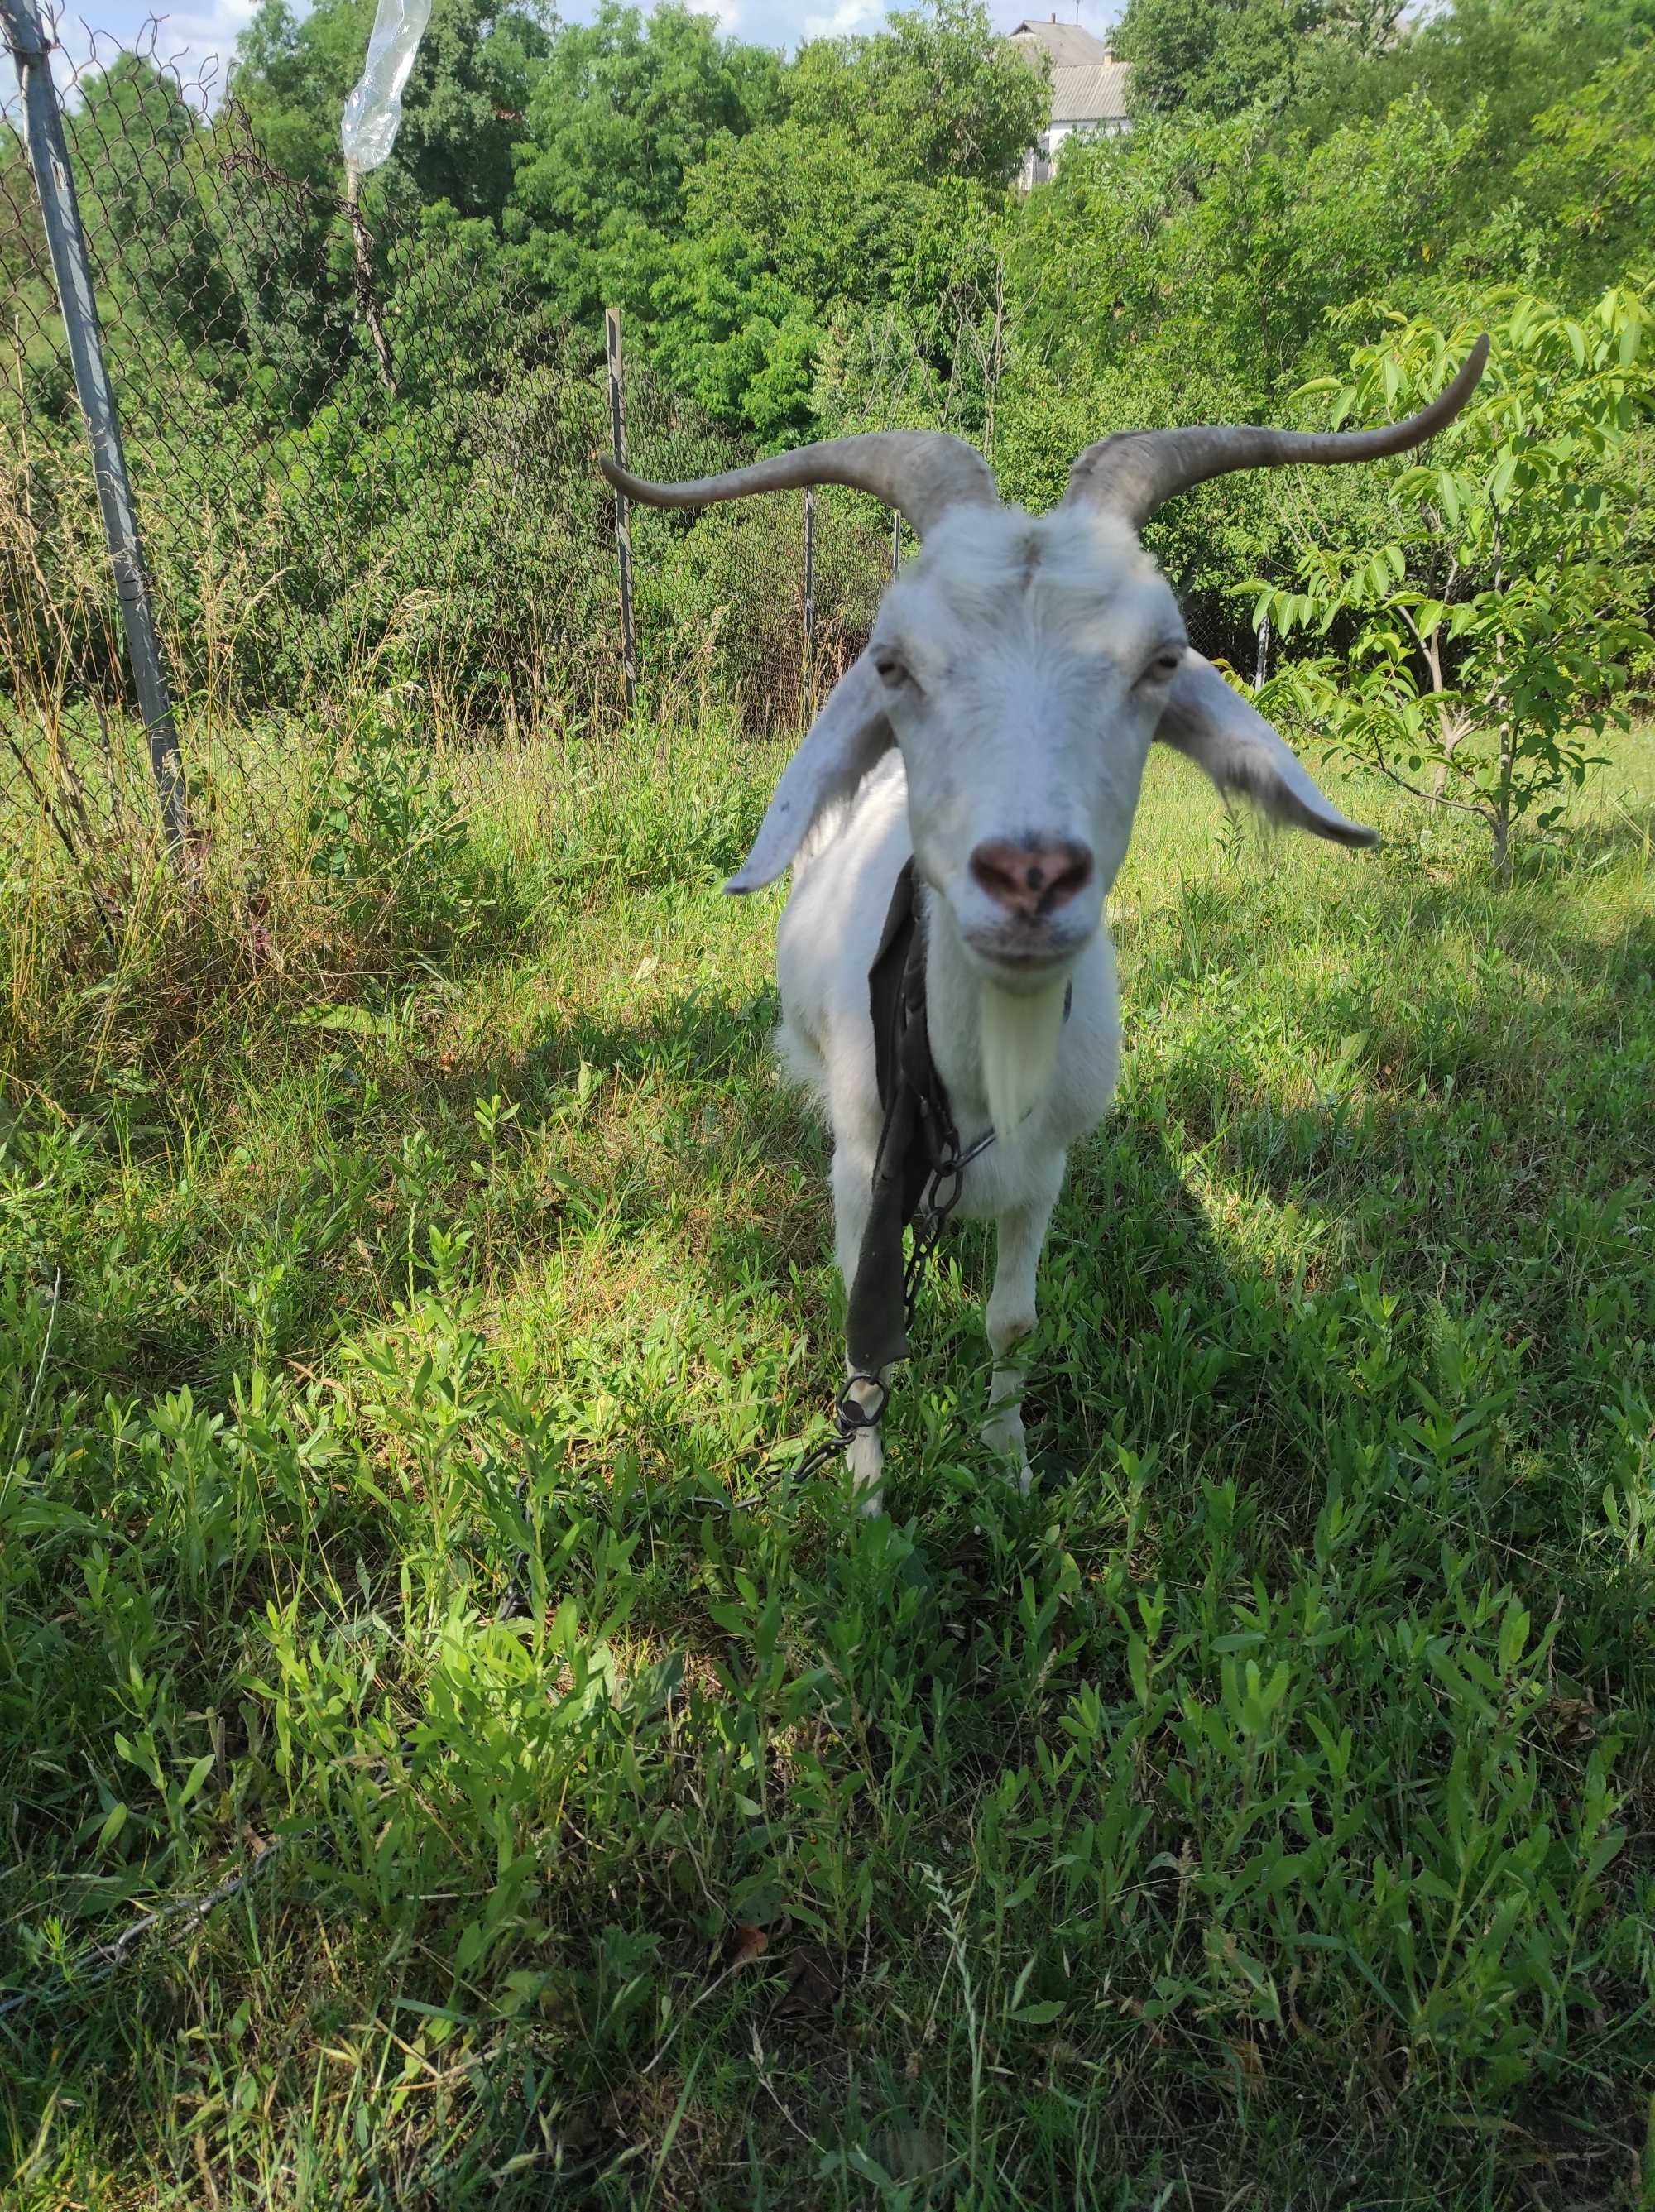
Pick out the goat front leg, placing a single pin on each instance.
(853, 1190)
(1020, 1233)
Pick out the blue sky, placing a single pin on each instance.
(207, 28)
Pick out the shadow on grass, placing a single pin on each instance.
(692, 1136)
(703, 1132)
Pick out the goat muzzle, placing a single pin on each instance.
(1030, 878)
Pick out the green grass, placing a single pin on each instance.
(1259, 1814)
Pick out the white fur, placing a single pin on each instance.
(1018, 1045)
(1019, 671)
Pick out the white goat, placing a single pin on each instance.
(996, 729)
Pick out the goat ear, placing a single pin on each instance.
(843, 744)
(1225, 735)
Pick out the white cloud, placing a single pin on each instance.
(848, 17)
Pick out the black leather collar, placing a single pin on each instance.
(917, 1125)
(918, 1142)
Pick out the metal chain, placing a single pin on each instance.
(935, 1208)
(942, 1194)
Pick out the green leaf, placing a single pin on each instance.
(1514, 1635)
(1137, 1667)
(1449, 1675)
(198, 1773)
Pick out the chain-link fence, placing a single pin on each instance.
(362, 451)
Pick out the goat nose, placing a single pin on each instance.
(1031, 876)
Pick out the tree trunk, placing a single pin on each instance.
(1500, 814)
(1452, 730)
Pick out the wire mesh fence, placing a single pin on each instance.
(363, 454)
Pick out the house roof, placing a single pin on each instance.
(1093, 94)
(1068, 45)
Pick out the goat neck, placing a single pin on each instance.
(995, 1050)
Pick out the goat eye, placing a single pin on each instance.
(889, 669)
(1165, 666)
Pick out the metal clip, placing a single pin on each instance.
(851, 1413)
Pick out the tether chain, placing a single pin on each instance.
(942, 1195)
(935, 1209)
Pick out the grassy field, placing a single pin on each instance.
(1261, 1814)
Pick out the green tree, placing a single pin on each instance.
(828, 221)
(937, 92)
(289, 248)
(1590, 180)
(1217, 57)
(1488, 637)
(463, 110)
(1508, 59)
(736, 337)
(849, 231)
(626, 108)
(1227, 243)
(147, 197)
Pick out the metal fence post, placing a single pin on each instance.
(60, 216)
(810, 603)
(1264, 667)
(623, 518)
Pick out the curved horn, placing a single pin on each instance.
(921, 473)
(1132, 473)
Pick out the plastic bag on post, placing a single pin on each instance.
(367, 129)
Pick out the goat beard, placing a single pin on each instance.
(1020, 1034)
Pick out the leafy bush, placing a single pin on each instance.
(1496, 635)
(387, 836)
